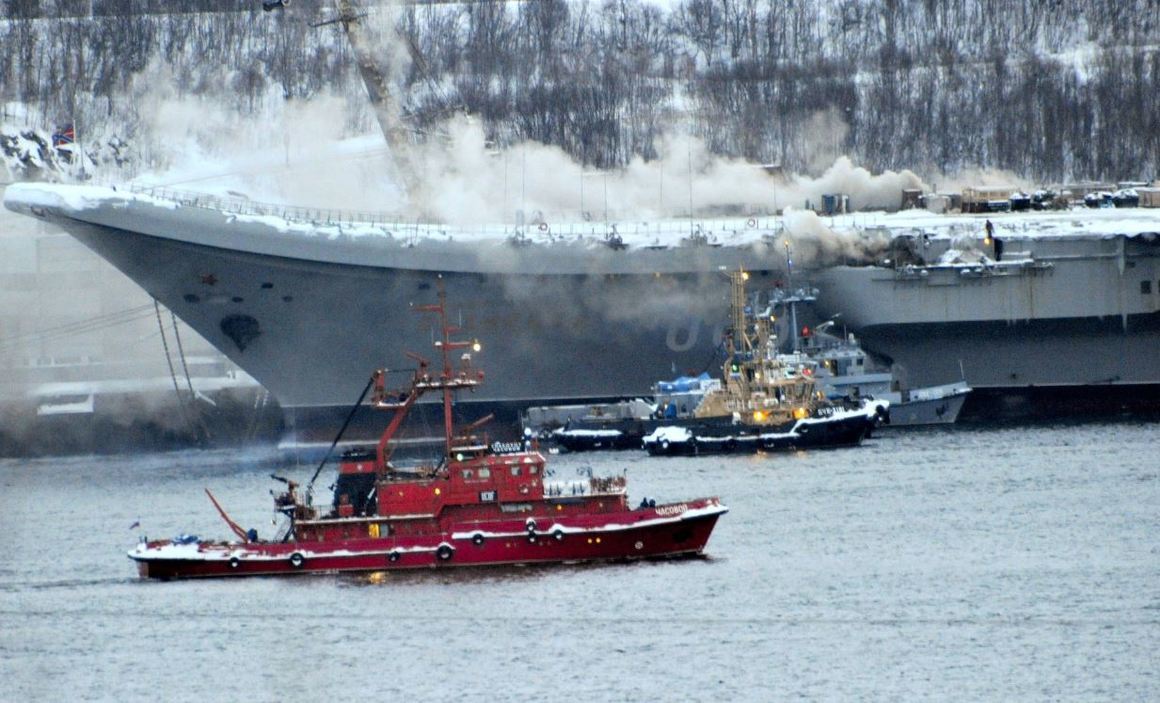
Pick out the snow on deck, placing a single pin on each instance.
(664, 233)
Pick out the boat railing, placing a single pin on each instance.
(242, 205)
(987, 269)
(660, 233)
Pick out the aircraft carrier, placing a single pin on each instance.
(1042, 324)
(310, 302)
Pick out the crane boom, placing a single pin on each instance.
(374, 77)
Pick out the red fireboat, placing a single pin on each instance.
(482, 504)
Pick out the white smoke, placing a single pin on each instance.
(978, 177)
(310, 153)
(813, 242)
(288, 151)
(299, 152)
(468, 183)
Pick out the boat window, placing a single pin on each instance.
(533, 469)
(467, 474)
(1146, 287)
(485, 473)
(515, 471)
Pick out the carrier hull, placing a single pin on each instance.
(287, 302)
(292, 313)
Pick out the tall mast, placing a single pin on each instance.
(449, 380)
(447, 430)
(741, 340)
(794, 337)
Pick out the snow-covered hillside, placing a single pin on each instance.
(1047, 90)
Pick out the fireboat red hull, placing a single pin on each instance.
(481, 504)
(664, 531)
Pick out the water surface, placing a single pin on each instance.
(1010, 564)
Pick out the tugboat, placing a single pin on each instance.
(768, 401)
(483, 503)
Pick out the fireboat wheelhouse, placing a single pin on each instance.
(483, 503)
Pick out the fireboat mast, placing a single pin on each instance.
(449, 380)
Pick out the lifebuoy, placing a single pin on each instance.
(531, 525)
(477, 539)
(444, 552)
(751, 222)
(393, 557)
(297, 560)
(543, 226)
(558, 534)
(234, 562)
(665, 444)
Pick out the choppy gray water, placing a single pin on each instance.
(1012, 564)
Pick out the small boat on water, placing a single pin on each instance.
(763, 403)
(843, 370)
(483, 503)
